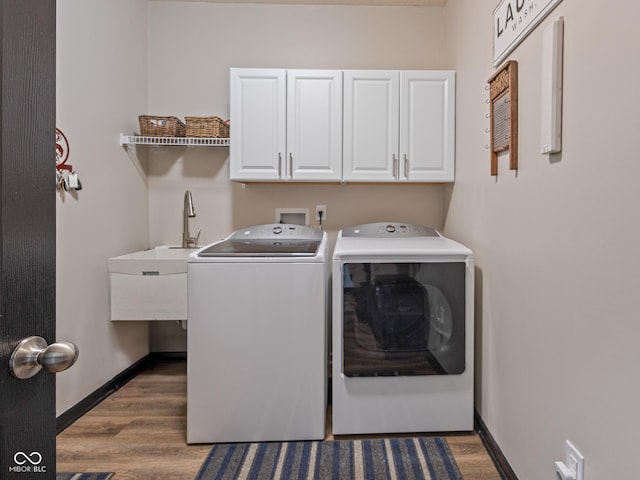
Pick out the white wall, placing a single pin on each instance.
(101, 88)
(556, 243)
(191, 48)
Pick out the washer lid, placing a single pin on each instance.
(271, 240)
(389, 230)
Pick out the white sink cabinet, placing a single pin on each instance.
(149, 284)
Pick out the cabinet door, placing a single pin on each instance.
(258, 135)
(371, 119)
(314, 125)
(427, 126)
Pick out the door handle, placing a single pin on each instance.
(290, 165)
(406, 167)
(33, 354)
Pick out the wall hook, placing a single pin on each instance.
(66, 177)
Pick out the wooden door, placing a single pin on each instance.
(27, 232)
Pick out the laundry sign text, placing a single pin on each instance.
(513, 20)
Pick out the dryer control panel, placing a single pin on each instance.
(389, 230)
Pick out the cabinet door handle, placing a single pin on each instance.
(395, 166)
(406, 167)
(290, 165)
(279, 165)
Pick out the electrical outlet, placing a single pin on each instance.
(323, 209)
(575, 461)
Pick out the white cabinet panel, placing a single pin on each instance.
(258, 123)
(314, 125)
(371, 107)
(427, 126)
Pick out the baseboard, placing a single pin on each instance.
(168, 356)
(117, 382)
(500, 461)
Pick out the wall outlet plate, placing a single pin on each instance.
(574, 460)
(323, 209)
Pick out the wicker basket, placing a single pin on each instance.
(210, 127)
(154, 126)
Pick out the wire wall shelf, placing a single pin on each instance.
(177, 141)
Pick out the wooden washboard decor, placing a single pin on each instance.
(503, 91)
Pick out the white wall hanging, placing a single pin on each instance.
(551, 88)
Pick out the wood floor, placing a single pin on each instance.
(139, 433)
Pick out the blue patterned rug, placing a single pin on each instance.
(398, 458)
(84, 476)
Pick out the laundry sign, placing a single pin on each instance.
(513, 20)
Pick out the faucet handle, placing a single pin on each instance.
(192, 242)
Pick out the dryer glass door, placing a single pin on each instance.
(402, 319)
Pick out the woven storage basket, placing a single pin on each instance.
(210, 127)
(155, 126)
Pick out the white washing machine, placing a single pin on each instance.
(402, 331)
(257, 336)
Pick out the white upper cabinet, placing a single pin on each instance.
(371, 123)
(314, 125)
(333, 125)
(427, 126)
(286, 125)
(399, 126)
(258, 123)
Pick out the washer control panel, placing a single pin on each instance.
(389, 230)
(279, 230)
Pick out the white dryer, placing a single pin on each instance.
(402, 331)
(257, 336)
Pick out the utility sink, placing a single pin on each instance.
(164, 260)
(150, 284)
